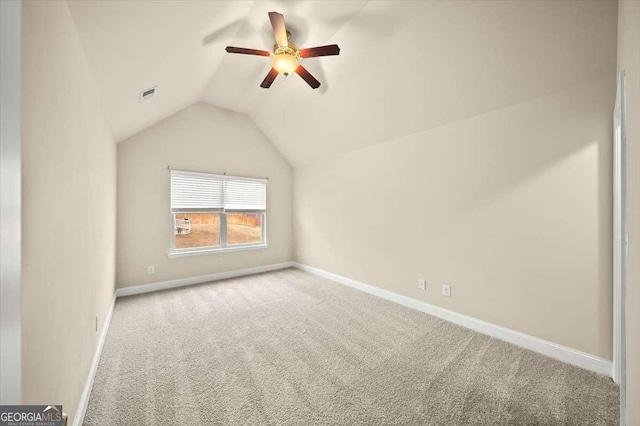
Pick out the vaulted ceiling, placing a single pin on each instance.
(404, 67)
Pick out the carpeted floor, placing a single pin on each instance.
(291, 348)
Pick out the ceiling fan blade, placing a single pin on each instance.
(306, 76)
(331, 49)
(244, 51)
(266, 83)
(279, 30)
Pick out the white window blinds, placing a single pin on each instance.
(191, 191)
(242, 194)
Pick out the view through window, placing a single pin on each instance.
(198, 230)
(195, 230)
(244, 228)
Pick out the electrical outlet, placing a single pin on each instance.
(151, 269)
(96, 323)
(422, 284)
(446, 290)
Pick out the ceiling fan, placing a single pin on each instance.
(285, 55)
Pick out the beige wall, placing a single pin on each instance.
(68, 210)
(512, 208)
(629, 60)
(200, 138)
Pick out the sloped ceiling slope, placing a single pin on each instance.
(433, 63)
(179, 45)
(135, 45)
(404, 66)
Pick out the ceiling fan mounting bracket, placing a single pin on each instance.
(289, 50)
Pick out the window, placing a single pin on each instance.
(211, 213)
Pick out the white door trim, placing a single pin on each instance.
(619, 243)
(10, 202)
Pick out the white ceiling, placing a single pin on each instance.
(404, 66)
(134, 45)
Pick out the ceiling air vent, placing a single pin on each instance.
(148, 94)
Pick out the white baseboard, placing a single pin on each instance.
(163, 285)
(553, 350)
(146, 288)
(84, 399)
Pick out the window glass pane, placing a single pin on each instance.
(193, 230)
(244, 228)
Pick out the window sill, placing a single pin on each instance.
(181, 253)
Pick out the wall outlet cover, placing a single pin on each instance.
(422, 284)
(446, 290)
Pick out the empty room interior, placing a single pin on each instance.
(321, 212)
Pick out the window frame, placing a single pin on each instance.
(224, 246)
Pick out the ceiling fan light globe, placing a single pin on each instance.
(285, 63)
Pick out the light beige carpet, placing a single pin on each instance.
(289, 348)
